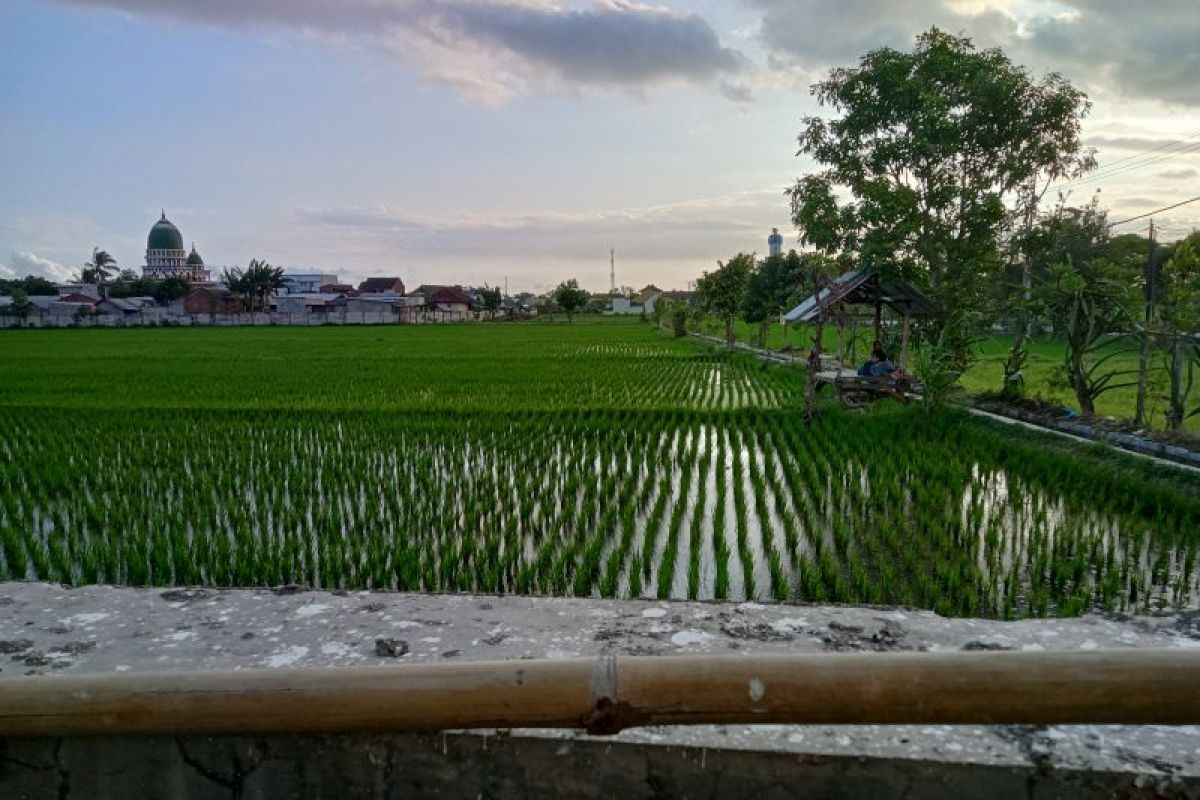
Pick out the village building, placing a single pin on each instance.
(306, 282)
(309, 303)
(210, 300)
(449, 303)
(382, 286)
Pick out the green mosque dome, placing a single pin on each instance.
(164, 236)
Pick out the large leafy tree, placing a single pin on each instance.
(773, 285)
(490, 298)
(936, 155)
(570, 298)
(722, 291)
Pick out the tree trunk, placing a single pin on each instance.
(814, 358)
(1175, 412)
(762, 333)
(1079, 381)
(814, 366)
(1139, 413)
(1011, 387)
(729, 330)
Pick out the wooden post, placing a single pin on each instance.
(610, 693)
(904, 340)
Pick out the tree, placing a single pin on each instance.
(266, 281)
(570, 298)
(256, 284)
(235, 280)
(658, 311)
(722, 291)
(936, 148)
(772, 285)
(169, 289)
(1075, 235)
(32, 285)
(820, 269)
(1179, 323)
(1087, 304)
(490, 299)
(98, 269)
(19, 305)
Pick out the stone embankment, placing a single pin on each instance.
(49, 630)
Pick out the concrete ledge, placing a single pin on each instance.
(50, 630)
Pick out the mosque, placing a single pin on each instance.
(166, 258)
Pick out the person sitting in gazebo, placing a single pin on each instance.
(878, 365)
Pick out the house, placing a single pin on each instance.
(393, 287)
(39, 305)
(88, 289)
(306, 282)
(211, 300)
(623, 305)
(74, 303)
(448, 303)
(403, 308)
(308, 302)
(119, 306)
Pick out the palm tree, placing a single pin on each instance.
(238, 282)
(98, 268)
(263, 280)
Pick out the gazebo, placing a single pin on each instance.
(861, 288)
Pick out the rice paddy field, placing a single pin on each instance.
(589, 460)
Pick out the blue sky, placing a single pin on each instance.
(473, 140)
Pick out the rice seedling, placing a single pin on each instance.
(590, 460)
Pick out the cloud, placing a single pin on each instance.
(490, 49)
(1178, 174)
(816, 34)
(1142, 50)
(1136, 49)
(701, 229)
(22, 264)
(737, 93)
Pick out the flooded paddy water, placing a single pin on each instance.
(692, 475)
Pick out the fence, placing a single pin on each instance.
(169, 318)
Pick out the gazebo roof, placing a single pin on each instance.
(857, 287)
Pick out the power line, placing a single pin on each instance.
(1155, 211)
(1168, 145)
(1105, 174)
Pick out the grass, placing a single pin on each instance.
(1042, 368)
(600, 459)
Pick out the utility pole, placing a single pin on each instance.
(1139, 415)
(506, 286)
(612, 270)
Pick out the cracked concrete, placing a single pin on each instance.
(49, 630)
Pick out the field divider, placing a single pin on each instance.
(607, 694)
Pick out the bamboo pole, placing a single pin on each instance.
(608, 694)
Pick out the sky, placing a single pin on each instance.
(507, 142)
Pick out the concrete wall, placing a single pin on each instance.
(474, 765)
(48, 630)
